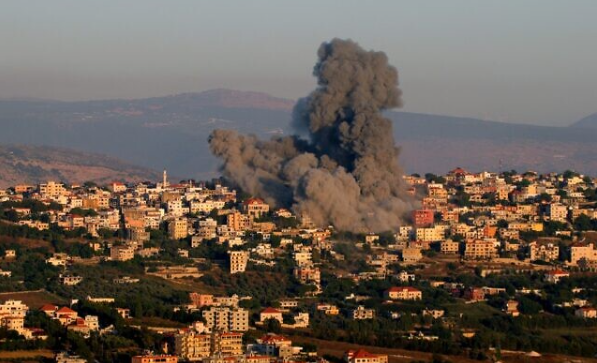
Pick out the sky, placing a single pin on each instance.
(521, 61)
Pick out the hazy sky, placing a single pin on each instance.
(515, 61)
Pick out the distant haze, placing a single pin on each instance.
(513, 61)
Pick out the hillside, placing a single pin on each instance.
(587, 122)
(172, 132)
(35, 164)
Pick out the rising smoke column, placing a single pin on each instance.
(346, 173)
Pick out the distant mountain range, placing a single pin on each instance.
(171, 132)
(587, 122)
(35, 164)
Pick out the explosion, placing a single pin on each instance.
(346, 171)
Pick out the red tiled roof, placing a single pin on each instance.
(254, 201)
(49, 307)
(270, 311)
(66, 310)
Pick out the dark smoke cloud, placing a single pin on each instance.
(346, 173)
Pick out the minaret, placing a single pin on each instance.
(165, 180)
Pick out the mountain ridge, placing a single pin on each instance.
(22, 164)
(172, 132)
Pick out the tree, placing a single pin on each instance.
(272, 326)
(583, 223)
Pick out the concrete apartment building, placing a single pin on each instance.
(52, 190)
(122, 253)
(178, 228)
(557, 212)
(480, 250)
(544, 252)
(449, 247)
(238, 261)
(226, 319)
(579, 251)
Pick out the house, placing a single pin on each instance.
(403, 293)
(328, 309)
(474, 294)
(255, 207)
(586, 313)
(511, 308)
(362, 356)
(70, 280)
(411, 255)
(270, 313)
(361, 313)
(554, 276)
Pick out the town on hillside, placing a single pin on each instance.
(488, 267)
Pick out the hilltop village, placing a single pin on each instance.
(160, 272)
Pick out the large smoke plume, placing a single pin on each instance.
(346, 172)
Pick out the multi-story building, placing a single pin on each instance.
(480, 250)
(422, 218)
(238, 261)
(122, 253)
(178, 228)
(557, 212)
(430, 234)
(449, 247)
(52, 190)
(255, 207)
(580, 251)
(192, 346)
(544, 252)
(226, 319)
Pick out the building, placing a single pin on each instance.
(255, 207)
(122, 253)
(13, 308)
(238, 261)
(480, 250)
(511, 308)
(307, 274)
(403, 293)
(192, 346)
(154, 359)
(226, 319)
(271, 313)
(543, 252)
(362, 313)
(430, 234)
(474, 294)
(362, 356)
(70, 280)
(238, 221)
(557, 212)
(201, 300)
(586, 312)
(449, 247)
(178, 228)
(422, 218)
(52, 190)
(554, 276)
(411, 255)
(582, 252)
